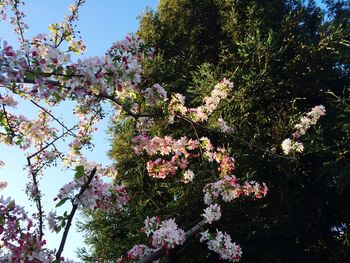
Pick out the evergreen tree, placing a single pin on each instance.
(284, 57)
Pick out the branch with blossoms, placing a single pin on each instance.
(43, 72)
(166, 234)
(72, 213)
(294, 145)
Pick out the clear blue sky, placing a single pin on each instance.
(101, 23)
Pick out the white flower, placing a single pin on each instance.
(168, 235)
(188, 176)
(289, 146)
(8, 100)
(222, 245)
(224, 127)
(212, 213)
(51, 220)
(204, 236)
(151, 225)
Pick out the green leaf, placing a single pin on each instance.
(79, 171)
(60, 203)
(58, 229)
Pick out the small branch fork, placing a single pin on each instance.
(54, 118)
(72, 213)
(34, 174)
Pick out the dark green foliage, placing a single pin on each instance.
(284, 57)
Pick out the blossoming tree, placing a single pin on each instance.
(41, 71)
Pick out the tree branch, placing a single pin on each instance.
(37, 200)
(72, 213)
(127, 110)
(160, 252)
(234, 137)
(53, 117)
(50, 143)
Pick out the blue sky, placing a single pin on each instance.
(101, 23)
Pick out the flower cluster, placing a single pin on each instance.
(36, 131)
(151, 225)
(228, 189)
(143, 124)
(290, 146)
(17, 17)
(18, 130)
(86, 127)
(155, 95)
(188, 176)
(212, 213)
(308, 120)
(51, 221)
(139, 251)
(97, 194)
(222, 244)
(165, 234)
(8, 101)
(55, 77)
(3, 185)
(181, 150)
(224, 127)
(168, 235)
(17, 234)
(201, 113)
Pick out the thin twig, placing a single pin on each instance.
(16, 10)
(53, 117)
(72, 213)
(234, 137)
(37, 199)
(50, 143)
(200, 148)
(126, 109)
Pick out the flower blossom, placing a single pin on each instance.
(308, 120)
(155, 94)
(151, 225)
(201, 113)
(51, 221)
(180, 151)
(98, 194)
(228, 189)
(139, 251)
(224, 127)
(168, 235)
(222, 244)
(188, 176)
(18, 236)
(212, 213)
(290, 146)
(8, 100)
